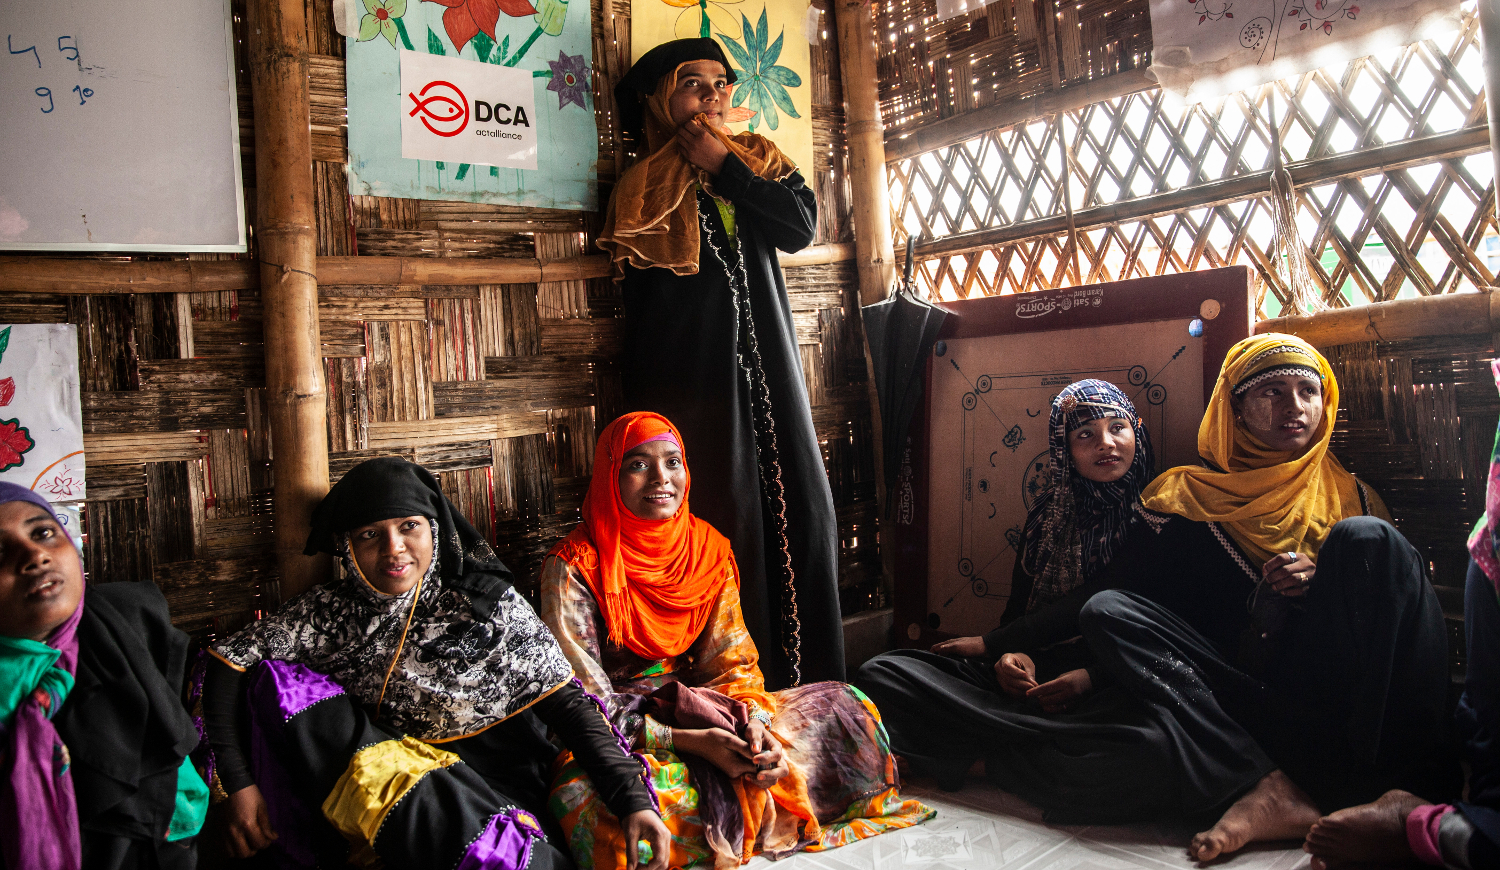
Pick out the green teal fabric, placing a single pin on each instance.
(26, 665)
(192, 803)
(726, 214)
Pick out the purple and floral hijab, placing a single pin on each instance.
(38, 813)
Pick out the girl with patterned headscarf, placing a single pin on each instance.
(1273, 621)
(1027, 698)
(407, 703)
(693, 229)
(644, 598)
(1077, 523)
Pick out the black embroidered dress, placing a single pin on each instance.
(697, 350)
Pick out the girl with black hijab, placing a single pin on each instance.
(409, 698)
(693, 228)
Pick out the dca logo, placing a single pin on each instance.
(446, 111)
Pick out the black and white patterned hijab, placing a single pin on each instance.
(1076, 525)
(456, 653)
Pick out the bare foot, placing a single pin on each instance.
(1276, 809)
(1368, 832)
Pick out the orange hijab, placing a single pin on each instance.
(656, 581)
(652, 219)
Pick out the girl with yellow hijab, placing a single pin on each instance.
(1275, 622)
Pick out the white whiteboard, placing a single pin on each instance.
(118, 127)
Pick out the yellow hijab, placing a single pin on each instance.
(1269, 501)
(652, 218)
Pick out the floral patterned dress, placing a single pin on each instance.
(842, 785)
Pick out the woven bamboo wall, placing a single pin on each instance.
(1009, 50)
(1417, 422)
(497, 388)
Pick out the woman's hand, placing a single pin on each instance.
(960, 647)
(247, 827)
(1017, 674)
(719, 747)
(1060, 694)
(1290, 574)
(769, 760)
(701, 147)
(646, 825)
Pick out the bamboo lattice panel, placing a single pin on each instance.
(498, 388)
(1008, 51)
(1395, 193)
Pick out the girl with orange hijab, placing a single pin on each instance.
(692, 230)
(643, 597)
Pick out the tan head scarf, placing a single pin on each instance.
(1269, 501)
(653, 215)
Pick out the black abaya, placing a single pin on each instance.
(1345, 690)
(1108, 760)
(686, 359)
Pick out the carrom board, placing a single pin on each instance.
(977, 454)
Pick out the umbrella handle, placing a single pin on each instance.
(911, 244)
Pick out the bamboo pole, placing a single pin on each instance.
(1451, 314)
(872, 207)
(873, 256)
(286, 244)
(98, 277)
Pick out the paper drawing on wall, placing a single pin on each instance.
(41, 417)
(1209, 48)
(546, 50)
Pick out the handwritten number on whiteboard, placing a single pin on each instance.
(12, 49)
(46, 92)
(82, 93)
(67, 48)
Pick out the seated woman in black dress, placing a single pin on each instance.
(406, 702)
(94, 736)
(1020, 697)
(1274, 622)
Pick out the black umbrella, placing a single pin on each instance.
(900, 331)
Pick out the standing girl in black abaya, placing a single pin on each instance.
(693, 228)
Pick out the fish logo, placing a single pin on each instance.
(447, 108)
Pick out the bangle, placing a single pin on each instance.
(761, 716)
(659, 736)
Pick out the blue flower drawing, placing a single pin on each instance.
(762, 85)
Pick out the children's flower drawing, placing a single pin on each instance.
(570, 79)
(699, 17)
(464, 18)
(762, 85)
(14, 442)
(381, 18)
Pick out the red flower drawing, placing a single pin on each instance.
(7, 391)
(14, 441)
(464, 18)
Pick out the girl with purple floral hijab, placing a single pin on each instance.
(94, 737)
